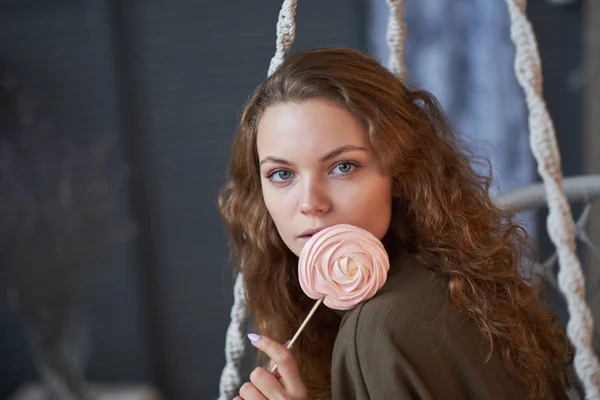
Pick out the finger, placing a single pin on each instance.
(272, 363)
(284, 360)
(268, 384)
(250, 392)
(276, 373)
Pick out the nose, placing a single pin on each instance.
(314, 198)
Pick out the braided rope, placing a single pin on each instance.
(396, 35)
(234, 343)
(286, 33)
(234, 340)
(560, 221)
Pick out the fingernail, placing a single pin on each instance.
(287, 343)
(254, 337)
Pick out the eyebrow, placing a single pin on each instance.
(332, 154)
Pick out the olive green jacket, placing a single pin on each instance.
(410, 342)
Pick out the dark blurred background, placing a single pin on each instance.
(168, 80)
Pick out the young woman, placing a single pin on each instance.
(333, 137)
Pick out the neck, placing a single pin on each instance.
(393, 245)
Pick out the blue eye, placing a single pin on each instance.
(280, 175)
(345, 167)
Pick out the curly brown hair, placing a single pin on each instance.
(442, 213)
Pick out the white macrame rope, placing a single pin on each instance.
(560, 220)
(286, 33)
(234, 343)
(396, 35)
(235, 339)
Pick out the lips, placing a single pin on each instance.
(310, 232)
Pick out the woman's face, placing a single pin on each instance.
(318, 169)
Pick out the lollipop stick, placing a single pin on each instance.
(299, 331)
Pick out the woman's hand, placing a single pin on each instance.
(284, 385)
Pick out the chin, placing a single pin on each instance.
(297, 247)
(294, 246)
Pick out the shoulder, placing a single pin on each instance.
(413, 299)
(411, 330)
(412, 307)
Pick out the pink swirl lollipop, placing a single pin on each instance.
(344, 265)
(341, 266)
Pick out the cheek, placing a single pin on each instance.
(377, 196)
(270, 202)
(374, 209)
(276, 204)
(381, 205)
